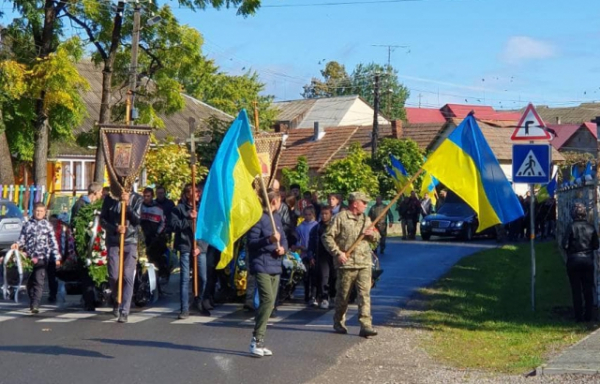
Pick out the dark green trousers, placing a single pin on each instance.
(267, 292)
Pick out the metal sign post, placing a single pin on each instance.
(532, 241)
(532, 164)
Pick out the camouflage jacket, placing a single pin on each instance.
(345, 228)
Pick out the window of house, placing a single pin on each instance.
(80, 172)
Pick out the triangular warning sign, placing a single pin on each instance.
(531, 126)
(531, 167)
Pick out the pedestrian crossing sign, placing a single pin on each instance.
(531, 163)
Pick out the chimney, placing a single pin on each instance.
(397, 131)
(318, 132)
(558, 120)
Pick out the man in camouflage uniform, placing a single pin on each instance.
(354, 268)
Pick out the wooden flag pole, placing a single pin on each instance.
(263, 187)
(385, 210)
(121, 253)
(192, 122)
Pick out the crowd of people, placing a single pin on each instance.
(321, 234)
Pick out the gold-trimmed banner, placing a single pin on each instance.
(124, 148)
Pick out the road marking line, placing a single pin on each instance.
(150, 313)
(215, 314)
(326, 320)
(283, 312)
(68, 317)
(18, 314)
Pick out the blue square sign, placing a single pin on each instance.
(531, 163)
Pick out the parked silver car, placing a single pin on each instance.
(11, 221)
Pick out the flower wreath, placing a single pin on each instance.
(86, 224)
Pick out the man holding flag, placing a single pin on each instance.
(230, 207)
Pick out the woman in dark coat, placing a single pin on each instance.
(580, 242)
(266, 246)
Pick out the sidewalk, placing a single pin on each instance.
(581, 358)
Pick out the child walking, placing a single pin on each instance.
(303, 235)
(38, 241)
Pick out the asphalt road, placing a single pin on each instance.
(63, 345)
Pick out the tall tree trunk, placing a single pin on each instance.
(7, 175)
(41, 142)
(41, 129)
(107, 72)
(103, 118)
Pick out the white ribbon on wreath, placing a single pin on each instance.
(13, 253)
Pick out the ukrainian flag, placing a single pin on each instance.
(428, 186)
(399, 174)
(230, 206)
(547, 190)
(466, 165)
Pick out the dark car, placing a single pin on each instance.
(11, 221)
(454, 218)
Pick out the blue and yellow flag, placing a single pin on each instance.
(466, 165)
(428, 187)
(547, 190)
(230, 206)
(399, 174)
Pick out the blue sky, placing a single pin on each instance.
(501, 53)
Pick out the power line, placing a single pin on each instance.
(335, 4)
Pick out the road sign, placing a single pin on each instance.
(530, 127)
(531, 163)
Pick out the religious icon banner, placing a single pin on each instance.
(124, 148)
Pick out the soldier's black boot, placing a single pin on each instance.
(367, 332)
(339, 328)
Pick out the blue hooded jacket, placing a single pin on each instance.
(263, 258)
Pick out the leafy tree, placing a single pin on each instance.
(34, 40)
(351, 174)
(298, 175)
(107, 27)
(12, 86)
(407, 151)
(168, 165)
(337, 82)
(39, 93)
(206, 151)
(232, 93)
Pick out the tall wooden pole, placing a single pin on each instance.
(263, 187)
(192, 123)
(385, 210)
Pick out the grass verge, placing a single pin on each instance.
(481, 316)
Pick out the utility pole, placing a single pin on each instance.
(390, 49)
(375, 136)
(135, 42)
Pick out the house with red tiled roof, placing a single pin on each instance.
(321, 146)
(575, 137)
(457, 111)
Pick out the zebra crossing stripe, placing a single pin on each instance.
(18, 314)
(326, 320)
(283, 312)
(68, 317)
(216, 314)
(150, 313)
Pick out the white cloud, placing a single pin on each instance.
(522, 48)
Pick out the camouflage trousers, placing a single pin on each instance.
(346, 279)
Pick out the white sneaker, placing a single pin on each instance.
(313, 303)
(255, 349)
(267, 352)
(324, 304)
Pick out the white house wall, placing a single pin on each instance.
(360, 114)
